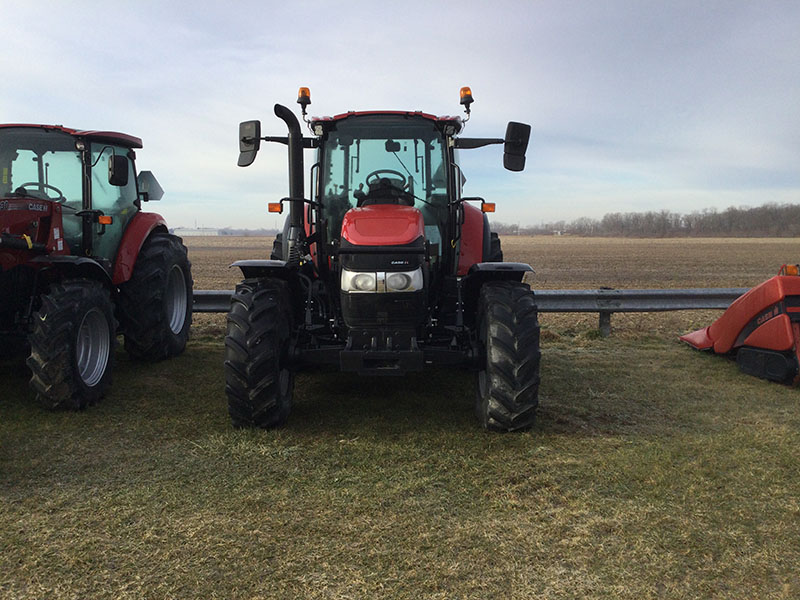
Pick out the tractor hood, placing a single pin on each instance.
(382, 225)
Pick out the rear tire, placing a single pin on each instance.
(72, 345)
(277, 248)
(156, 302)
(508, 382)
(258, 380)
(495, 249)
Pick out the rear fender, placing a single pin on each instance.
(139, 228)
(474, 232)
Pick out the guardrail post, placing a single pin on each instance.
(605, 323)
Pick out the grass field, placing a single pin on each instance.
(653, 471)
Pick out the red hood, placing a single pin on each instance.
(382, 225)
(35, 222)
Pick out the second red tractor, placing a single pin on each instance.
(81, 262)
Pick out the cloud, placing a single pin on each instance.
(633, 104)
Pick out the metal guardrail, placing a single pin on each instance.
(602, 301)
(608, 301)
(212, 301)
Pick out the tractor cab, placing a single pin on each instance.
(90, 175)
(384, 160)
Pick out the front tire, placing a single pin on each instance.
(259, 382)
(156, 302)
(508, 382)
(72, 345)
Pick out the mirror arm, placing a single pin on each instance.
(307, 142)
(470, 143)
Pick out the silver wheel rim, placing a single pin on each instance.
(176, 299)
(93, 347)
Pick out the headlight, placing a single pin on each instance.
(408, 281)
(365, 282)
(353, 281)
(397, 282)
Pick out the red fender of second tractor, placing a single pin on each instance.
(135, 234)
(774, 330)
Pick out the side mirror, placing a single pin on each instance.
(249, 142)
(117, 170)
(516, 143)
(148, 186)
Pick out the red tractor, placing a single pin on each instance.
(80, 262)
(386, 268)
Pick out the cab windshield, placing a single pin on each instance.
(383, 159)
(40, 163)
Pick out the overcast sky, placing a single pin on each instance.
(635, 105)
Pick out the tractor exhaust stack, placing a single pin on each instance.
(296, 184)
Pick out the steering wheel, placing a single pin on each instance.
(42, 185)
(375, 177)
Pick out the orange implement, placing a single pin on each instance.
(764, 322)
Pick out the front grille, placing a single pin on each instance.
(402, 309)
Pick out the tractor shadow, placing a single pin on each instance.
(14, 378)
(579, 396)
(434, 399)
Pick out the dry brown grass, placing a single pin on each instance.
(587, 263)
(568, 262)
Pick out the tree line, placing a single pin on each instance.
(768, 220)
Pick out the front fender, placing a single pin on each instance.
(484, 272)
(275, 269)
(255, 268)
(141, 226)
(74, 266)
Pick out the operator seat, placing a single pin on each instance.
(385, 191)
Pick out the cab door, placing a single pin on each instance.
(115, 201)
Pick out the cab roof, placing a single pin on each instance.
(456, 122)
(111, 137)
